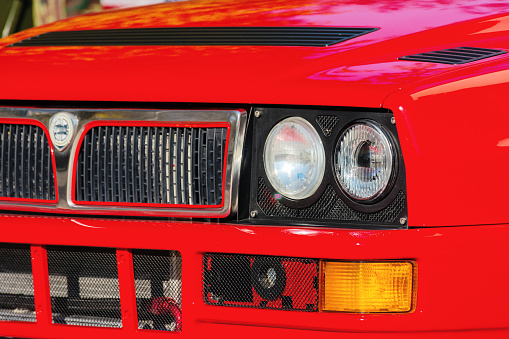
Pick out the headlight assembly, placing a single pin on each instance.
(364, 161)
(294, 158)
(341, 167)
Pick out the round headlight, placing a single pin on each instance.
(294, 158)
(364, 161)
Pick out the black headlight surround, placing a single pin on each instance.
(329, 123)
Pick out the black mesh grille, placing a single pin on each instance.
(454, 56)
(152, 165)
(26, 167)
(261, 282)
(157, 277)
(84, 286)
(16, 284)
(327, 123)
(329, 206)
(196, 36)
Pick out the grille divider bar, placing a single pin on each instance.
(127, 290)
(41, 285)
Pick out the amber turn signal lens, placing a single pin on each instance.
(368, 287)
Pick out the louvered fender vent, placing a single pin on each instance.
(198, 36)
(454, 56)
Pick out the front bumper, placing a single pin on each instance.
(461, 285)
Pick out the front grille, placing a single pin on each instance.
(261, 282)
(26, 165)
(84, 286)
(152, 165)
(16, 284)
(199, 36)
(157, 277)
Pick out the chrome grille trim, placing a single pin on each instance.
(65, 158)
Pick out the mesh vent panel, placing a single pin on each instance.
(261, 282)
(157, 277)
(328, 207)
(152, 165)
(26, 166)
(84, 286)
(16, 284)
(327, 123)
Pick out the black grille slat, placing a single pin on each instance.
(180, 170)
(3, 167)
(454, 56)
(152, 165)
(197, 36)
(26, 166)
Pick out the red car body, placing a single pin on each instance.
(452, 129)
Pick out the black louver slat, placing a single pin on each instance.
(151, 165)
(454, 56)
(197, 36)
(26, 166)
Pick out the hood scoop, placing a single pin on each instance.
(454, 56)
(199, 36)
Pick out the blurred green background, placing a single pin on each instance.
(19, 14)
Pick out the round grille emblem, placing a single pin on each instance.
(61, 129)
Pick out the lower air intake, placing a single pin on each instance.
(261, 282)
(16, 284)
(84, 286)
(157, 277)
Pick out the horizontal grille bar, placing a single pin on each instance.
(152, 165)
(196, 36)
(26, 165)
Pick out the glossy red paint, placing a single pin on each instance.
(453, 131)
(461, 275)
(360, 72)
(183, 124)
(52, 151)
(451, 124)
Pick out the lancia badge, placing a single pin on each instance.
(61, 129)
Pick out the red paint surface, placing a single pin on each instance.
(455, 141)
(452, 124)
(359, 72)
(462, 274)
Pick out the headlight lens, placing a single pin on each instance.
(294, 158)
(364, 161)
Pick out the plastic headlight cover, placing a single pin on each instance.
(364, 161)
(294, 158)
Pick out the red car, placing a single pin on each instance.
(257, 169)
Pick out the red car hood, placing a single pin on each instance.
(359, 72)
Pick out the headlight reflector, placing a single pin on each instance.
(364, 161)
(294, 158)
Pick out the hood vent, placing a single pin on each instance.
(198, 36)
(454, 56)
